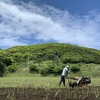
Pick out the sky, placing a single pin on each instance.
(28, 22)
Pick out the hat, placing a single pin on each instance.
(67, 66)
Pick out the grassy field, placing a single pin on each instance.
(23, 78)
(25, 86)
(35, 80)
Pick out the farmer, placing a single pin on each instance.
(63, 75)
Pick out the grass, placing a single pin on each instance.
(48, 86)
(23, 78)
(95, 81)
(36, 81)
(29, 82)
(91, 70)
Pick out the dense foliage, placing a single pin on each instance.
(4, 61)
(75, 69)
(56, 52)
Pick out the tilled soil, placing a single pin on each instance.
(88, 93)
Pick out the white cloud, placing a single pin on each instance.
(21, 23)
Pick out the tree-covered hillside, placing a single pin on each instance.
(66, 53)
(53, 55)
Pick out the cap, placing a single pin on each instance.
(67, 66)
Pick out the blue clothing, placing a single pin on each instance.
(65, 72)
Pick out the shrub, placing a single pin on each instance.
(47, 70)
(2, 69)
(7, 61)
(51, 68)
(75, 69)
(44, 71)
(58, 70)
(33, 69)
(12, 68)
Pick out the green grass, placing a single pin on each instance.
(29, 82)
(38, 81)
(95, 81)
(91, 70)
(23, 78)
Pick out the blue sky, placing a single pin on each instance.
(27, 22)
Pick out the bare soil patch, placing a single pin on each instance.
(89, 93)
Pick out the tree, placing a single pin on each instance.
(2, 69)
(75, 69)
(33, 69)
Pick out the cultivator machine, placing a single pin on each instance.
(81, 82)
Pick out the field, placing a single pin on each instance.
(45, 88)
(90, 93)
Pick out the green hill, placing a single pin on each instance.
(66, 53)
(49, 58)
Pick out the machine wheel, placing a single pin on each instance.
(83, 84)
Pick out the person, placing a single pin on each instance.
(63, 75)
